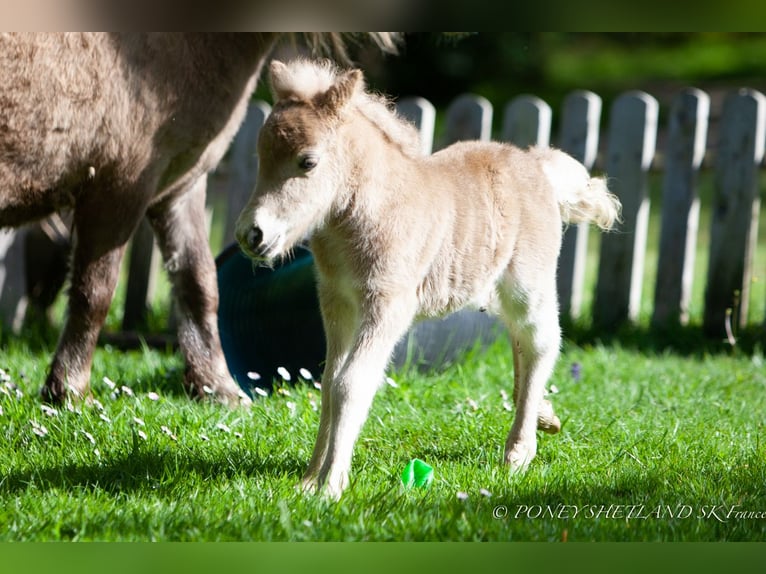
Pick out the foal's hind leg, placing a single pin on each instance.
(181, 230)
(532, 314)
(547, 421)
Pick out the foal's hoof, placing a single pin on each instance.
(547, 421)
(309, 484)
(549, 425)
(519, 457)
(329, 489)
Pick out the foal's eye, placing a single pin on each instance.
(308, 162)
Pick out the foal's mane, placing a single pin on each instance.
(309, 78)
(379, 111)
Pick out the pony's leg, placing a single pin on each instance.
(532, 315)
(181, 230)
(356, 384)
(100, 239)
(339, 320)
(547, 421)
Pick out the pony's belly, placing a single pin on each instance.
(480, 296)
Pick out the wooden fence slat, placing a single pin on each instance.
(687, 137)
(527, 122)
(422, 114)
(736, 205)
(13, 285)
(243, 165)
(142, 277)
(632, 140)
(468, 117)
(581, 114)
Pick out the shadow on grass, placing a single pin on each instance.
(690, 341)
(150, 471)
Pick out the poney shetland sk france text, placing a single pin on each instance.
(720, 512)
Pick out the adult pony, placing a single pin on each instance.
(115, 127)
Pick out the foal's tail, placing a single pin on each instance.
(581, 198)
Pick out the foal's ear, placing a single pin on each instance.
(277, 76)
(344, 88)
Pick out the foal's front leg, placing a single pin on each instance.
(339, 316)
(354, 388)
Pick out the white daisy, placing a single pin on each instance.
(306, 374)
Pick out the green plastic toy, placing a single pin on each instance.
(418, 474)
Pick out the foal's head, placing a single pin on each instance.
(301, 162)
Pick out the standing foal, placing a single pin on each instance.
(397, 235)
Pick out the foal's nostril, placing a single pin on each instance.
(254, 238)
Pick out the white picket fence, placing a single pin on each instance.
(632, 126)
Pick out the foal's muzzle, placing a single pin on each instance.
(253, 242)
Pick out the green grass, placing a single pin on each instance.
(665, 427)
(650, 434)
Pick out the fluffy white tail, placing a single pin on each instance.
(582, 198)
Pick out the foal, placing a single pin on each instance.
(397, 236)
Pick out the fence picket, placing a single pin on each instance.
(13, 285)
(736, 205)
(142, 277)
(422, 114)
(632, 139)
(687, 137)
(527, 122)
(581, 114)
(469, 117)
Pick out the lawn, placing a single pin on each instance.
(654, 446)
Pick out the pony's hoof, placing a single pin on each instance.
(226, 393)
(51, 396)
(236, 399)
(54, 392)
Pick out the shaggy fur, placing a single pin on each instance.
(116, 126)
(397, 236)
